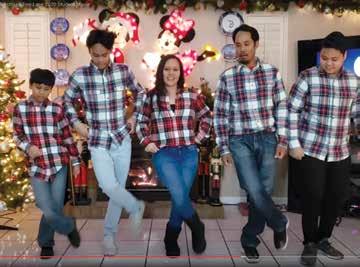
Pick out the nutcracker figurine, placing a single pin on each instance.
(80, 183)
(203, 175)
(215, 175)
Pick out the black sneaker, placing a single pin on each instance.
(309, 254)
(251, 255)
(330, 251)
(281, 238)
(46, 253)
(74, 238)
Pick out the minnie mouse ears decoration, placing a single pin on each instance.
(183, 29)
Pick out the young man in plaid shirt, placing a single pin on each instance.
(249, 120)
(43, 132)
(103, 86)
(320, 106)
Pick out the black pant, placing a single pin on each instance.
(323, 190)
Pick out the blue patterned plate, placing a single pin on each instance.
(229, 52)
(62, 77)
(59, 25)
(60, 52)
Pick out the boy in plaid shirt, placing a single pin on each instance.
(42, 131)
(320, 106)
(103, 86)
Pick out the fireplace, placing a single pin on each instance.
(142, 180)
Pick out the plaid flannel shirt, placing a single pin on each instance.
(46, 127)
(104, 93)
(249, 101)
(159, 124)
(320, 108)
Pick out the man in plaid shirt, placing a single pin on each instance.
(42, 131)
(249, 120)
(103, 86)
(320, 106)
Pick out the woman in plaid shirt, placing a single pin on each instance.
(320, 106)
(166, 127)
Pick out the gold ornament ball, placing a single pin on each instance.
(4, 147)
(17, 155)
(3, 162)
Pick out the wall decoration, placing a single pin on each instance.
(62, 77)
(82, 30)
(60, 52)
(229, 52)
(59, 25)
(229, 21)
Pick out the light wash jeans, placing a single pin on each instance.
(111, 169)
(253, 155)
(49, 198)
(176, 168)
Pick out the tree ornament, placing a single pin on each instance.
(17, 155)
(301, 3)
(20, 94)
(15, 10)
(4, 117)
(220, 3)
(243, 5)
(4, 146)
(271, 7)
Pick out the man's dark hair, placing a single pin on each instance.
(246, 28)
(335, 40)
(42, 76)
(102, 37)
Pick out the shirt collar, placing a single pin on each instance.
(241, 66)
(109, 67)
(32, 101)
(339, 75)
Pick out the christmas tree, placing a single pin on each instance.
(14, 180)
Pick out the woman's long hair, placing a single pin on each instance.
(160, 88)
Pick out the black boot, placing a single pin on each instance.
(198, 233)
(170, 240)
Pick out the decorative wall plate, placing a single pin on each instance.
(60, 52)
(229, 21)
(229, 52)
(62, 77)
(59, 25)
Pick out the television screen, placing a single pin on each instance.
(352, 62)
(308, 54)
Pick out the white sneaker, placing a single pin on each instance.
(136, 218)
(110, 248)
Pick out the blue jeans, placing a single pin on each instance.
(49, 197)
(253, 155)
(176, 168)
(111, 170)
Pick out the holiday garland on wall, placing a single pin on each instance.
(336, 7)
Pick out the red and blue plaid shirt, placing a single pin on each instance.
(157, 122)
(46, 127)
(104, 95)
(320, 108)
(249, 101)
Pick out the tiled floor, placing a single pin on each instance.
(19, 248)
